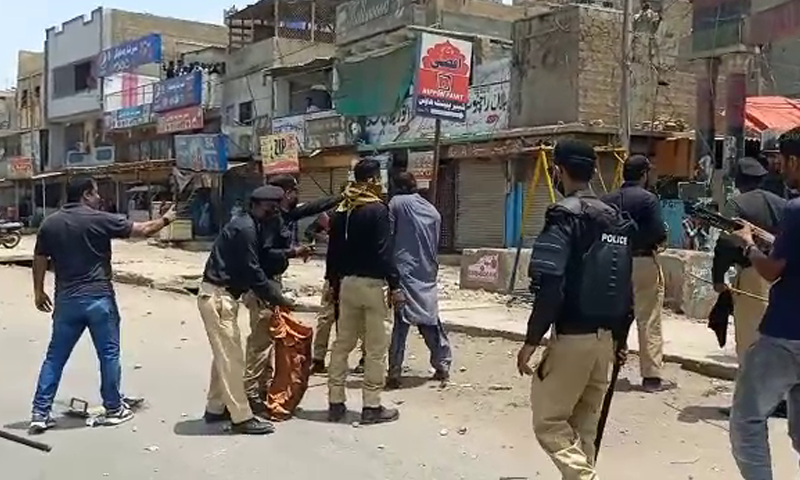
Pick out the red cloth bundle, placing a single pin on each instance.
(292, 342)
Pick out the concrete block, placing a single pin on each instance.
(684, 292)
(490, 269)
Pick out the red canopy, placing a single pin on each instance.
(778, 113)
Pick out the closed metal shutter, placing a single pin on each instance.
(339, 177)
(446, 203)
(481, 203)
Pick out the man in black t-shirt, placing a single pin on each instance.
(77, 239)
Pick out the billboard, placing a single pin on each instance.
(441, 88)
(204, 152)
(128, 117)
(178, 92)
(129, 55)
(190, 118)
(280, 153)
(20, 168)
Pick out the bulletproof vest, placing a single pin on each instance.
(599, 275)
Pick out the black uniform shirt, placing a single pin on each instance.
(564, 237)
(644, 209)
(360, 245)
(234, 262)
(763, 209)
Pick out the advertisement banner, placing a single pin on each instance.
(178, 92)
(295, 124)
(180, 120)
(280, 153)
(128, 117)
(20, 168)
(420, 164)
(205, 152)
(441, 88)
(129, 55)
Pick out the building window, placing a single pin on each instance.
(23, 99)
(37, 92)
(83, 77)
(245, 113)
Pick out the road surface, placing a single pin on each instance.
(476, 429)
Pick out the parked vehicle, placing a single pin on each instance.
(10, 234)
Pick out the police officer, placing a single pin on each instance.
(643, 207)
(770, 160)
(580, 272)
(763, 209)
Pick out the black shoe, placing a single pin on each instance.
(392, 383)
(442, 376)
(370, 416)
(337, 412)
(318, 367)
(257, 406)
(209, 417)
(652, 384)
(359, 370)
(780, 411)
(254, 426)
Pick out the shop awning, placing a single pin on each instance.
(771, 113)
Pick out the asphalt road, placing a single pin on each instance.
(476, 429)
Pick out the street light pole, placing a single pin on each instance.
(625, 84)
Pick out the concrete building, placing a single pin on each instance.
(30, 106)
(75, 97)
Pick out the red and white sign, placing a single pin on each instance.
(182, 120)
(420, 164)
(486, 269)
(20, 168)
(442, 85)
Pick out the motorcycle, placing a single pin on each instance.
(10, 234)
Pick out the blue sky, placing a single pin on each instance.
(24, 22)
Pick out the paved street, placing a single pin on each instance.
(476, 429)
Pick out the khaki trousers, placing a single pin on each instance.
(566, 396)
(747, 311)
(219, 310)
(364, 314)
(648, 299)
(326, 319)
(259, 354)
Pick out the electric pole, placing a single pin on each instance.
(625, 84)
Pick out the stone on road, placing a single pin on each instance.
(166, 358)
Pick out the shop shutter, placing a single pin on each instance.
(481, 204)
(446, 203)
(339, 177)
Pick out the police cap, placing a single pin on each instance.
(285, 181)
(267, 193)
(750, 167)
(574, 152)
(636, 166)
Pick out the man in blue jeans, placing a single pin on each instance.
(770, 370)
(77, 239)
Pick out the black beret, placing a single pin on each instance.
(750, 167)
(268, 193)
(571, 151)
(285, 181)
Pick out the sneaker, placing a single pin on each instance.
(337, 412)
(210, 417)
(40, 423)
(254, 426)
(258, 406)
(359, 370)
(371, 416)
(118, 416)
(318, 367)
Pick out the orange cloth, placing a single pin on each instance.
(292, 364)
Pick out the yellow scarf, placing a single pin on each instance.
(359, 194)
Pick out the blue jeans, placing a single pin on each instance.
(71, 316)
(435, 339)
(769, 373)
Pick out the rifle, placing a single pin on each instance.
(725, 224)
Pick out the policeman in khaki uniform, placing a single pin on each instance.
(580, 272)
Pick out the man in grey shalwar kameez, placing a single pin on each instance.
(416, 225)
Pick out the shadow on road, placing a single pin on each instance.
(321, 416)
(62, 423)
(701, 413)
(199, 428)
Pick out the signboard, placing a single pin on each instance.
(486, 269)
(295, 124)
(420, 164)
(178, 92)
(20, 168)
(487, 111)
(180, 120)
(361, 18)
(128, 117)
(325, 129)
(205, 152)
(280, 153)
(129, 55)
(441, 87)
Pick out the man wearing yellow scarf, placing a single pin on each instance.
(360, 266)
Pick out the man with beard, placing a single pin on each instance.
(233, 268)
(77, 239)
(416, 226)
(279, 245)
(771, 368)
(636, 200)
(360, 266)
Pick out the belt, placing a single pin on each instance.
(580, 330)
